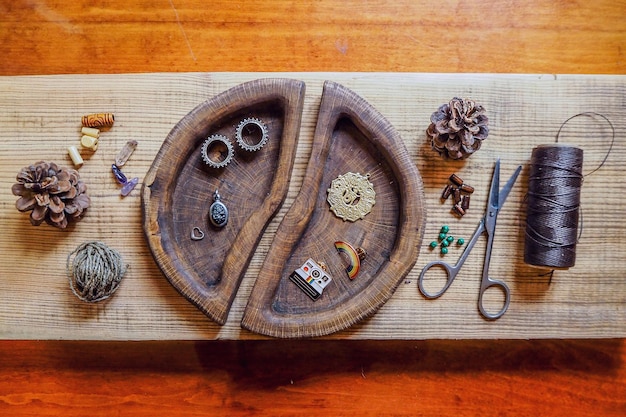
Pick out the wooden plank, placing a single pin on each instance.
(575, 378)
(119, 36)
(40, 117)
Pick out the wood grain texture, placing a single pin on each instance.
(327, 378)
(539, 36)
(178, 190)
(465, 378)
(350, 136)
(524, 110)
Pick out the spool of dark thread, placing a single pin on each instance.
(553, 203)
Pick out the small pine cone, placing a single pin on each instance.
(458, 128)
(55, 194)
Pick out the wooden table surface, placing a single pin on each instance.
(542, 377)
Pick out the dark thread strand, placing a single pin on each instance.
(553, 203)
(592, 114)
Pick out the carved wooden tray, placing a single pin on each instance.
(351, 136)
(178, 191)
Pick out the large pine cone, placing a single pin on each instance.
(55, 194)
(458, 128)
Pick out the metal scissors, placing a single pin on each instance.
(486, 226)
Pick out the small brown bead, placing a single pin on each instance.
(456, 180)
(457, 209)
(467, 189)
(98, 120)
(446, 192)
(457, 195)
(465, 202)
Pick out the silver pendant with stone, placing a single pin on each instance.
(218, 213)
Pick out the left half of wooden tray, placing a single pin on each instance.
(233, 153)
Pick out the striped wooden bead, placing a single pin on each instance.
(98, 120)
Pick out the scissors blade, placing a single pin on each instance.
(504, 192)
(498, 196)
(494, 192)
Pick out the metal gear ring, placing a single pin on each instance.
(217, 151)
(253, 128)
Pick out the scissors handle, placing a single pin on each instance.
(484, 286)
(451, 272)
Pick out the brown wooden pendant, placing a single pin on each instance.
(203, 262)
(350, 137)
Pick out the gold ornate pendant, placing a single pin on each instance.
(351, 196)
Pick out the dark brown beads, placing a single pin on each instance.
(460, 193)
(457, 195)
(465, 201)
(456, 180)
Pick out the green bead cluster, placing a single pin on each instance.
(445, 241)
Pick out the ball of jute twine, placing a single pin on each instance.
(94, 271)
